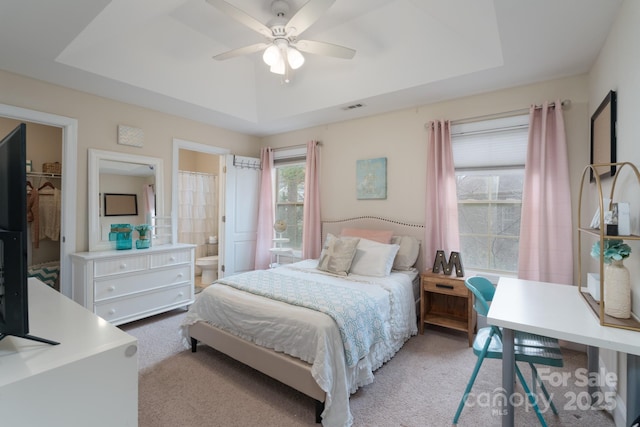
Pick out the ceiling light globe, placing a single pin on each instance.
(278, 67)
(271, 55)
(295, 58)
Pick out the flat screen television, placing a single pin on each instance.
(14, 304)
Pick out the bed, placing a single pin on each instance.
(311, 344)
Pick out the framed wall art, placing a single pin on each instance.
(371, 178)
(603, 137)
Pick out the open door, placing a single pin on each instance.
(240, 183)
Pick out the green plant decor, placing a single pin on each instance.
(614, 250)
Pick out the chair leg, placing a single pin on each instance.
(544, 389)
(467, 390)
(476, 369)
(532, 398)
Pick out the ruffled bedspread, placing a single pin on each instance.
(313, 336)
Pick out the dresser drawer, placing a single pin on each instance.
(136, 307)
(118, 286)
(110, 266)
(164, 259)
(453, 287)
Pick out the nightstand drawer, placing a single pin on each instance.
(450, 288)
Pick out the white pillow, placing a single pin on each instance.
(337, 254)
(373, 258)
(408, 252)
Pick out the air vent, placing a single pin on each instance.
(352, 107)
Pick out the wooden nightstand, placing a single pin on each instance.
(446, 301)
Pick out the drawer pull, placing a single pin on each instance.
(438, 285)
(180, 275)
(172, 258)
(111, 288)
(123, 266)
(112, 311)
(180, 294)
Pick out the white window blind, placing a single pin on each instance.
(493, 143)
(290, 155)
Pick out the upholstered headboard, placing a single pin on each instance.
(399, 228)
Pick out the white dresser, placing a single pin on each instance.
(126, 285)
(90, 378)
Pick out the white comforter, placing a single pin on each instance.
(313, 336)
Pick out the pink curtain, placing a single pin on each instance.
(149, 203)
(311, 233)
(546, 232)
(441, 213)
(264, 239)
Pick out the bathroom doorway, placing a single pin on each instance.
(198, 211)
(197, 205)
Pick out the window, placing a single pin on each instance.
(489, 158)
(289, 168)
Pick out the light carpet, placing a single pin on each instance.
(421, 386)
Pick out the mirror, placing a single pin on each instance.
(139, 178)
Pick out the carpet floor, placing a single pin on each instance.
(421, 386)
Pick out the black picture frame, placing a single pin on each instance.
(118, 204)
(603, 137)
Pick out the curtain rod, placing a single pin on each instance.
(566, 103)
(294, 146)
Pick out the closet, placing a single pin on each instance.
(44, 198)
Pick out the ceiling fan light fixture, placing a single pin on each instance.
(271, 55)
(279, 67)
(295, 58)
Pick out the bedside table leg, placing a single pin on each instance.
(421, 320)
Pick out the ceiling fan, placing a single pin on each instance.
(282, 50)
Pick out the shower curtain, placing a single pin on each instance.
(197, 209)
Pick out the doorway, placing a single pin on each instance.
(197, 204)
(67, 180)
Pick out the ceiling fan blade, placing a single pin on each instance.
(325, 49)
(242, 51)
(307, 15)
(241, 17)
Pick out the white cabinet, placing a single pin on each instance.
(127, 285)
(90, 378)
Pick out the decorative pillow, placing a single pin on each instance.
(382, 236)
(408, 252)
(337, 254)
(373, 258)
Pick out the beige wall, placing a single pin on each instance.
(194, 161)
(98, 119)
(401, 137)
(618, 68)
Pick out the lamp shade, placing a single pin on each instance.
(271, 55)
(295, 58)
(278, 67)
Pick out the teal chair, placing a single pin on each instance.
(530, 348)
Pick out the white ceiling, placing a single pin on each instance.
(158, 54)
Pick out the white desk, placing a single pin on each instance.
(90, 378)
(558, 311)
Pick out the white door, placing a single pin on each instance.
(239, 224)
